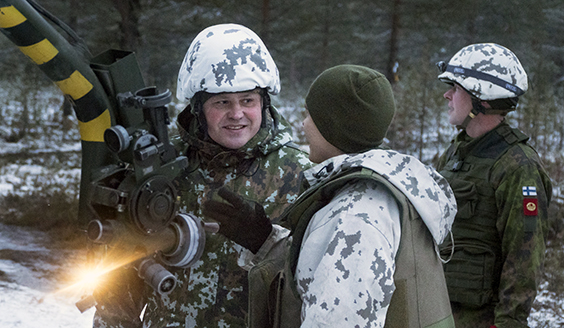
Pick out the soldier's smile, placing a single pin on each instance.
(233, 118)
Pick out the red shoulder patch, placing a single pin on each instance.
(530, 206)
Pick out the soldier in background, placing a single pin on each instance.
(362, 250)
(232, 136)
(502, 191)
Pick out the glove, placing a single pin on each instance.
(244, 222)
(119, 297)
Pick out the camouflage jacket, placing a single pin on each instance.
(213, 292)
(517, 190)
(345, 269)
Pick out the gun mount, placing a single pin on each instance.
(128, 203)
(135, 200)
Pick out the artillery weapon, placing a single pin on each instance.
(128, 204)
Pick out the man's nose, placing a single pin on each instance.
(236, 111)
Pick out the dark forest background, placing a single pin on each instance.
(401, 38)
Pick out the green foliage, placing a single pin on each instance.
(305, 37)
(44, 194)
(53, 213)
(39, 210)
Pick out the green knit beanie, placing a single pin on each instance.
(352, 106)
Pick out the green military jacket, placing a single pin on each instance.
(503, 192)
(214, 292)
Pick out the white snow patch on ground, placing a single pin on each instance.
(28, 290)
(22, 306)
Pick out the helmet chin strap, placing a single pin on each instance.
(265, 105)
(477, 108)
(473, 113)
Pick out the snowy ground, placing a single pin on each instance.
(28, 283)
(30, 292)
(32, 275)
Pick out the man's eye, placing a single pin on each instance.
(249, 101)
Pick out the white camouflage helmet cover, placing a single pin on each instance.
(226, 58)
(488, 71)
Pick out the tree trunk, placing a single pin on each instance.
(325, 38)
(265, 35)
(129, 11)
(391, 69)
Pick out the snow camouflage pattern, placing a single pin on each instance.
(522, 237)
(226, 58)
(362, 228)
(350, 244)
(492, 59)
(427, 190)
(213, 292)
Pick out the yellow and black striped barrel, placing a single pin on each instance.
(62, 64)
(69, 69)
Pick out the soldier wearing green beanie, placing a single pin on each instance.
(360, 250)
(352, 106)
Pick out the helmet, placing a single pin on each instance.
(226, 58)
(486, 70)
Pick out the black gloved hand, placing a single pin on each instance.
(243, 221)
(119, 297)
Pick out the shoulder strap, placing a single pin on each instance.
(487, 150)
(511, 135)
(499, 141)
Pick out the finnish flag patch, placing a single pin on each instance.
(529, 191)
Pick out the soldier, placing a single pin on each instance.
(501, 188)
(363, 248)
(232, 136)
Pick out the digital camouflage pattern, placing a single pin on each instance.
(226, 58)
(504, 76)
(427, 190)
(213, 293)
(520, 229)
(345, 269)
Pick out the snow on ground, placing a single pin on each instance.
(16, 178)
(22, 306)
(551, 314)
(28, 286)
(29, 272)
